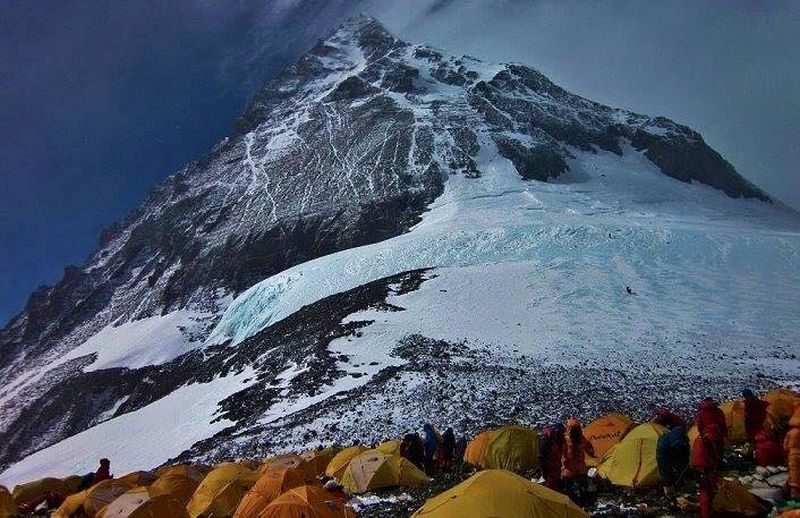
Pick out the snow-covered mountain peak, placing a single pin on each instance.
(500, 211)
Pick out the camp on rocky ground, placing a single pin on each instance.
(498, 474)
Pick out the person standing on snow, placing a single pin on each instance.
(768, 451)
(791, 446)
(551, 449)
(573, 461)
(448, 448)
(705, 459)
(412, 448)
(755, 413)
(710, 415)
(431, 442)
(667, 418)
(672, 456)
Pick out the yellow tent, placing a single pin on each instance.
(179, 487)
(269, 487)
(782, 403)
(374, 469)
(307, 502)
(512, 447)
(195, 471)
(69, 485)
(8, 507)
(219, 494)
(140, 503)
(339, 462)
(390, 447)
(499, 493)
(102, 494)
(125, 503)
(604, 432)
(318, 460)
(632, 462)
(732, 499)
(71, 505)
(139, 478)
(476, 448)
(30, 490)
(288, 460)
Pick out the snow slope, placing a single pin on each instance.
(138, 440)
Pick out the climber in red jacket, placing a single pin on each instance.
(711, 416)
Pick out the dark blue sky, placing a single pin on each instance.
(101, 99)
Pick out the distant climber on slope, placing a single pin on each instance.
(551, 449)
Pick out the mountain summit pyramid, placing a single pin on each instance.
(390, 234)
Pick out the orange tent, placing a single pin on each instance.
(318, 460)
(604, 432)
(288, 460)
(177, 486)
(140, 478)
(307, 502)
(196, 471)
(782, 403)
(476, 448)
(269, 487)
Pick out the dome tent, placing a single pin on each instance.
(511, 447)
(307, 502)
(605, 432)
(496, 492)
(221, 491)
(269, 487)
(632, 462)
(339, 462)
(374, 469)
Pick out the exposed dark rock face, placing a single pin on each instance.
(346, 147)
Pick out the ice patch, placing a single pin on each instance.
(501, 218)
